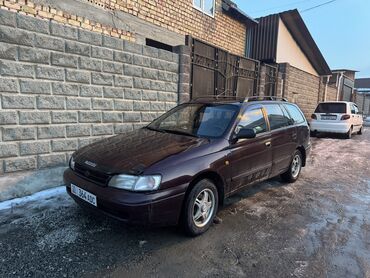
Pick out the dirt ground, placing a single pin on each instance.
(317, 227)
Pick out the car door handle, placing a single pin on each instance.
(268, 144)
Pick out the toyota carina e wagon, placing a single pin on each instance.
(181, 167)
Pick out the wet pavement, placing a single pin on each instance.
(317, 227)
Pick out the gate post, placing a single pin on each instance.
(262, 81)
(184, 81)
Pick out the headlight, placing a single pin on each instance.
(72, 163)
(136, 183)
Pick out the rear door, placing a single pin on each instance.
(356, 117)
(300, 123)
(251, 159)
(283, 138)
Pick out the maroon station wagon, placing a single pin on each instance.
(181, 167)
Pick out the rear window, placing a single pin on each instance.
(276, 116)
(331, 108)
(295, 113)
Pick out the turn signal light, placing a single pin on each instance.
(345, 117)
(313, 117)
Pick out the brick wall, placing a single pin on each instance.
(177, 16)
(62, 88)
(301, 88)
(181, 17)
(331, 94)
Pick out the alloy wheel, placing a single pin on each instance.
(296, 165)
(203, 208)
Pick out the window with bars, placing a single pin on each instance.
(205, 6)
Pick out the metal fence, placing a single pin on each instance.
(271, 77)
(218, 72)
(363, 101)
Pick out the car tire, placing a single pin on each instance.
(200, 208)
(313, 133)
(295, 167)
(349, 133)
(360, 131)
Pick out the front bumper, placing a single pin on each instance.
(331, 127)
(159, 208)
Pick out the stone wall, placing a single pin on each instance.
(331, 93)
(300, 87)
(62, 88)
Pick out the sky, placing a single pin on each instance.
(341, 29)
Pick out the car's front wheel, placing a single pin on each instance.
(200, 208)
(292, 174)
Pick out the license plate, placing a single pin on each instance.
(328, 117)
(84, 195)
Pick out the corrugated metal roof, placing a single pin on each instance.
(265, 36)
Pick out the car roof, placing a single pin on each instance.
(239, 100)
(336, 102)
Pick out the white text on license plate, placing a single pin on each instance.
(84, 195)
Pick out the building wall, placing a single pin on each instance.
(181, 17)
(301, 88)
(363, 102)
(62, 88)
(288, 51)
(171, 17)
(331, 94)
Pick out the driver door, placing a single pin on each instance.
(251, 159)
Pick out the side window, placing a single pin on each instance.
(206, 6)
(356, 109)
(253, 119)
(353, 110)
(295, 113)
(276, 116)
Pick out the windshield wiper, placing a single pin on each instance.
(154, 129)
(179, 132)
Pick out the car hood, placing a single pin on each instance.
(132, 153)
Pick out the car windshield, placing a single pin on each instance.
(196, 119)
(331, 108)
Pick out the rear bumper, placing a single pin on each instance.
(160, 208)
(331, 127)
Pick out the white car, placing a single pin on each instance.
(336, 117)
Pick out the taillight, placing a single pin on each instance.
(345, 117)
(313, 117)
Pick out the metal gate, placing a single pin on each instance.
(218, 72)
(270, 80)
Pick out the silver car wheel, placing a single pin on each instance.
(296, 165)
(203, 208)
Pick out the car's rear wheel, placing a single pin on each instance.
(349, 133)
(292, 174)
(360, 131)
(200, 207)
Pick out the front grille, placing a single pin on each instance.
(92, 175)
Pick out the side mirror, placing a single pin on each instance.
(246, 133)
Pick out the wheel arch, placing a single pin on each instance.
(215, 178)
(304, 157)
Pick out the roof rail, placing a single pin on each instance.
(257, 98)
(219, 97)
(241, 99)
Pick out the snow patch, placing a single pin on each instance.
(34, 197)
